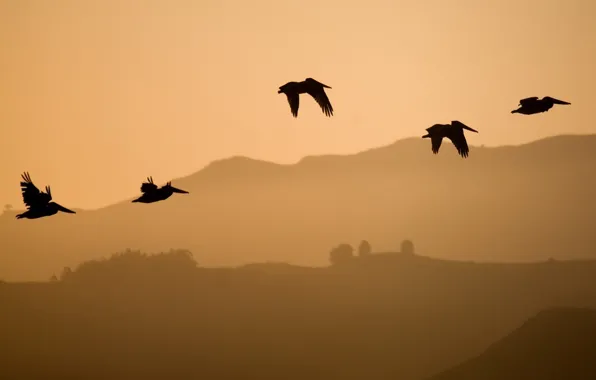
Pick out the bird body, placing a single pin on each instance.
(308, 86)
(533, 105)
(454, 132)
(38, 203)
(152, 193)
(52, 208)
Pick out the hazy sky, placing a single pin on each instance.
(97, 95)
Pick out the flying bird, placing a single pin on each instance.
(532, 105)
(39, 204)
(454, 132)
(308, 86)
(151, 193)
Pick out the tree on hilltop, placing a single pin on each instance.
(364, 249)
(341, 254)
(407, 247)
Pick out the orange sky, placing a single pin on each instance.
(97, 95)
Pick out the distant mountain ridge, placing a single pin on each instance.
(412, 146)
(513, 203)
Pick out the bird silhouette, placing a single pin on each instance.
(308, 86)
(38, 203)
(454, 132)
(532, 105)
(151, 193)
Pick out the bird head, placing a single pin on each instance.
(555, 101)
(175, 190)
(316, 81)
(462, 125)
(282, 89)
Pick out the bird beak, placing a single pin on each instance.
(425, 136)
(64, 209)
(459, 123)
(279, 91)
(179, 191)
(324, 85)
(557, 101)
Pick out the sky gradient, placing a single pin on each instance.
(98, 95)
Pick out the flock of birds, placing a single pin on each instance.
(39, 204)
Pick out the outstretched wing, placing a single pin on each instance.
(459, 141)
(149, 186)
(436, 143)
(32, 197)
(318, 93)
(555, 101)
(294, 100)
(528, 100)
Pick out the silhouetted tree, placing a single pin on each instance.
(53, 278)
(407, 247)
(66, 272)
(341, 254)
(364, 249)
(7, 207)
(137, 266)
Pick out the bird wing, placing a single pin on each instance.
(459, 141)
(436, 143)
(435, 127)
(294, 101)
(32, 197)
(555, 101)
(528, 100)
(318, 93)
(148, 186)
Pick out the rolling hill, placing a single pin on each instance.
(512, 203)
(555, 344)
(384, 316)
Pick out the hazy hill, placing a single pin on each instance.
(556, 344)
(382, 317)
(517, 203)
